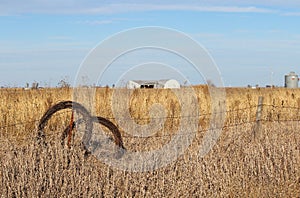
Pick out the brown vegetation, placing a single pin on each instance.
(238, 165)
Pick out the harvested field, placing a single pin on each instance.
(240, 164)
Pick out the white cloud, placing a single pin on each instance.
(116, 8)
(223, 9)
(95, 22)
(94, 7)
(258, 3)
(105, 21)
(291, 14)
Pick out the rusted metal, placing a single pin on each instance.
(71, 129)
(87, 119)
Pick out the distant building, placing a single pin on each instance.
(152, 84)
(291, 80)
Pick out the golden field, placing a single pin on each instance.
(239, 164)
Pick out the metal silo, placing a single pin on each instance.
(291, 80)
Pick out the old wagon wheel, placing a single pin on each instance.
(78, 109)
(86, 120)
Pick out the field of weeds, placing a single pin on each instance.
(239, 164)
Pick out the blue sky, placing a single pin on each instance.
(252, 42)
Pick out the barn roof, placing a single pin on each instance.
(163, 81)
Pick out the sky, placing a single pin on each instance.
(251, 42)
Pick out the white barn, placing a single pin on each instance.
(152, 84)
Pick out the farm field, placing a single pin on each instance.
(243, 162)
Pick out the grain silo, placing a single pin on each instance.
(291, 80)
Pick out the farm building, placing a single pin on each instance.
(291, 80)
(152, 84)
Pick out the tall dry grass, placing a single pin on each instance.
(238, 165)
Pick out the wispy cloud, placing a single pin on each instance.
(104, 21)
(94, 7)
(96, 22)
(235, 9)
(116, 8)
(291, 14)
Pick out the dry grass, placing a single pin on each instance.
(238, 165)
